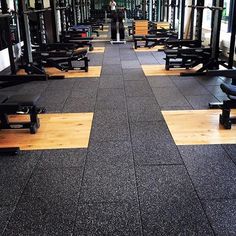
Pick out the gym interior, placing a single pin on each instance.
(117, 117)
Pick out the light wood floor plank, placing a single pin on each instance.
(155, 70)
(98, 50)
(94, 71)
(145, 49)
(57, 131)
(196, 127)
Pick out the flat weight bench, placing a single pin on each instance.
(225, 119)
(20, 105)
(65, 63)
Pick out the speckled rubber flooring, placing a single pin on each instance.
(132, 179)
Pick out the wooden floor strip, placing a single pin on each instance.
(57, 131)
(94, 71)
(145, 49)
(98, 50)
(155, 70)
(198, 127)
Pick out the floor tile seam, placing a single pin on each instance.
(83, 170)
(185, 96)
(178, 91)
(21, 194)
(71, 90)
(40, 169)
(218, 199)
(197, 195)
(134, 165)
(228, 154)
(159, 165)
(106, 202)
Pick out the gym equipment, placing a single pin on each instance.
(197, 41)
(209, 57)
(152, 34)
(51, 55)
(20, 105)
(225, 119)
(117, 27)
(13, 79)
(63, 60)
(187, 58)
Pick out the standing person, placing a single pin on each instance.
(112, 5)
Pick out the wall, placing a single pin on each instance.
(4, 57)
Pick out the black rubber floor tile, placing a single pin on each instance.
(108, 219)
(222, 215)
(112, 104)
(110, 125)
(144, 54)
(33, 86)
(109, 83)
(109, 132)
(128, 57)
(104, 93)
(215, 90)
(138, 89)
(160, 81)
(105, 182)
(14, 174)
(159, 56)
(206, 80)
(111, 77)
(111, 69)
(55, 184)
(143, 109)
(50, 96)
(212, 171)
(111, 117)
(52, 107)
(147, 60)
(110, 153)
(63, 84)
(79, 105)
(156, 153)
(83, 93)
(130, 64)
(191, 87)
(62, 158)
(40, 216)
(88, 83)
(169, 205)
(169, 97)
(148, 132)
(174, 108)
(133, 74)
(231, 150)
(96, 62)
(5, 213)
(112, 61)
(221, 98)
(201, 101)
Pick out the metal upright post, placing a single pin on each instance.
(181, 18)
(192, 20)
(55, 20)
(216, 31)
(233, 32)
(24, 22)
(150, 10)
(199, 18)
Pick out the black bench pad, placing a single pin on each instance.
(23, 100)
